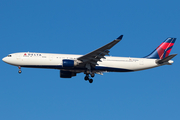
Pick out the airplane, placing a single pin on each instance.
(95, 62)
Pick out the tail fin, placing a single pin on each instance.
(162, 50)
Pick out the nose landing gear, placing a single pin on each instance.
(19, 71)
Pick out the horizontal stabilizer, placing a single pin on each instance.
(166, 59)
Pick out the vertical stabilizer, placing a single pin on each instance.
(163, 49)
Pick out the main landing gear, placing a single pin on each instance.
(89, 72)
(19, 71)
(87, 77)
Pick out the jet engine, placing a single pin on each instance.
(67, 74)
(69, 63)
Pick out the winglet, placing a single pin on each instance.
(120, 37)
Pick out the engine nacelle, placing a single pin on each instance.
(69, 63)
(67, 74)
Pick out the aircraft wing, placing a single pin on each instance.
(93, 57)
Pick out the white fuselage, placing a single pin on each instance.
(94, 62)
(54, 61)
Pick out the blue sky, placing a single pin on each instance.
(79, 27)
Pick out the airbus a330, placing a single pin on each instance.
(95, 62)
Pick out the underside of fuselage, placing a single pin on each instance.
(96, 69)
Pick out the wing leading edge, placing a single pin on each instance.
(93, 57)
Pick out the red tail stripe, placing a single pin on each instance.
(168, 52)
(160, 52)
(165, 45)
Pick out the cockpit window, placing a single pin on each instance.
(9, 55)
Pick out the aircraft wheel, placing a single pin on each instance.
(92, 75)
(90, 80)
(86, 77)
(19, 71)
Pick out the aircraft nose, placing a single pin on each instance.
(4, 59)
